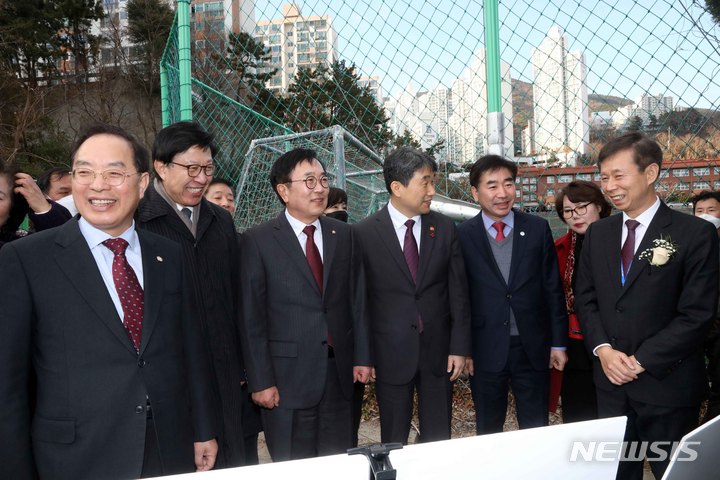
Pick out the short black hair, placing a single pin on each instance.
(221, 180)
(646, 151)
(336, 195)
(704, 195)
(401, 164)
(286, 163)
(18, 205)
(490, 163)
(579, 191)
(140, 153)
(181, 137)
(46, 178)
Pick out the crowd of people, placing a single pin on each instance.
(144, 336)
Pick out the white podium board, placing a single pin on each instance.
(537, 453)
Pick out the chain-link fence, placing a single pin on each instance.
(573, 74)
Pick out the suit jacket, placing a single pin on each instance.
(661, 315)
(59, 324)
(533, 292)
(394, 301)
(286, 320)
(211, 259)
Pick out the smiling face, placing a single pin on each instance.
(303, 203)
(579, 223)
(108, 208)
(415, 198)
(178, 184)
(628, 188)
(495, 193)
(222, 195)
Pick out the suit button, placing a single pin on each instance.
(139, 409)
(508, 296)
(506, 322)
(141, 363)
(619, 309)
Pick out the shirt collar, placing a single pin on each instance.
(298, 226)
(646, 217)
(398, 219)
(508, 220)
(94, 236)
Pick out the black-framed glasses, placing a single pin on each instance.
(114, 178)
(579, 209)
(194, 170)
(311, 182)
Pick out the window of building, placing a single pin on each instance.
(550, 179)
(321, 56)
(303, 47)
(303, 37)
(716, 170)
(596, 176)
(583, 176)
(275, 27)
(526, 198)
(701, 171)
(303, 57)
(275, 48)
(321, 45)
(716, 185)
(320, 35)
(565, 178)
(525, 181)
(517, 193)
(214, 7)
(533, 180)
(680, 172)
(703, 185)
(682, 186)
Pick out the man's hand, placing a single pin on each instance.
(27, 187)
(618, 367)
(558, 359)
(361, 374)
(638, 368)
(455, 366)
(205, 455)
(373, 376)
(469, 367)
(268, 398)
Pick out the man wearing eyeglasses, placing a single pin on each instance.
(305, 338)
(174, 207)
(103, 371)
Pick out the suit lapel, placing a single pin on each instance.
(75, 259)
(329, 244)
(479, 238)
(661, 220)
(154, 206)
(519, 242)
(612, 252)
(387, 235)
(285, 236)
(205, 218)
(153, 286)
(427, 242)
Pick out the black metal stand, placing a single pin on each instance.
(378, 456)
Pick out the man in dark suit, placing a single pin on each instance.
(305, 338)
(519, 320)
(417, 298)
(102, 373)
(646, 296)
(174, 207)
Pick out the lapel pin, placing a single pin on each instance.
(333, 232)
(159, 258)
(522, 234)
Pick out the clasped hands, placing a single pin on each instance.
(619, 368)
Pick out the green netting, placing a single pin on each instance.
(268, 76)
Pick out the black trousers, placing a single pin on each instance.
(530, 388)
(324, 429)
(646, 423)
(357, 403)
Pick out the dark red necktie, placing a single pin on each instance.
(500, 231)
(412, 257)
(128, 289)
(313, 256)
(628, 249)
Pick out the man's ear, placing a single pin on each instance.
(396, 188)
(282, 190)
(652, 172)
(160, 169)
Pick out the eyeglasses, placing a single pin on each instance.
(194, 170)
(114, 178)
(579, 210)
(311, 182)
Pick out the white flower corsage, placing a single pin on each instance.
(661, 253)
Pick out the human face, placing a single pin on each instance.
(179, 185)
(222, 195)
(60, 187)
(108, 208)
(338, 207)
(5, 198)
(709, 206)
(629, 189)
(414, 199)
(495, 193)
(303, 203)
(579, 223)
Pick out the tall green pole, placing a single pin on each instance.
(184, 63)
(495, 118)
(164, 100)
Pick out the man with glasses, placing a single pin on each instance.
(103, 371)
(174, 207)
(305, 338)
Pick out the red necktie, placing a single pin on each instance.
(128, 289)
(628, 249)
(412, 257)
(313, 256)
(499, 228)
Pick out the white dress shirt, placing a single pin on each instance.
(298, 226)
(398, 220)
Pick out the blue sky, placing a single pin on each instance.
(631, 47)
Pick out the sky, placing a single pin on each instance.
(631, 47)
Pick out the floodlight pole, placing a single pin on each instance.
(495, 117)
(184, 62)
